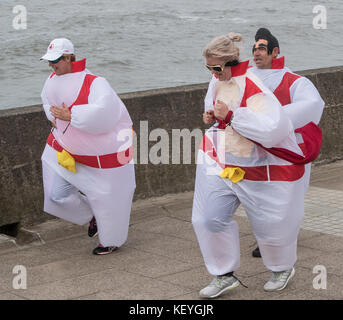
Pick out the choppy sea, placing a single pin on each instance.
(147, 44)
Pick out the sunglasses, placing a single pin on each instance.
(56, 61)
(219, 68)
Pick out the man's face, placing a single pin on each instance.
(262, 59)
(222, 75)
(61, 67)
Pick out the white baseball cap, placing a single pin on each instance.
(57, 48)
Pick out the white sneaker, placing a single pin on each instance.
(279, 280)
(218, 286)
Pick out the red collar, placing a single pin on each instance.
(278, 63)
(240, 69)
(78, 66)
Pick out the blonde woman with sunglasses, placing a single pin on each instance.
(245, 158)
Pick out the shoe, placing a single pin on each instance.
(93, 228)
(279, 280)
(218, 286)
(256, 253)
(101, 250)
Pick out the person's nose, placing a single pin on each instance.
(215, 73)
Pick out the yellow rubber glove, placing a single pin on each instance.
(66, 160)
(233, 174)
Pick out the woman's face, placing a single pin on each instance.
(224, 75)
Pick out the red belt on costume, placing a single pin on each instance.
(259, 173)
(106, 161)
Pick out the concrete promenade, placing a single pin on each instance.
(161, 258)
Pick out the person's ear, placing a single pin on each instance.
(275, 52)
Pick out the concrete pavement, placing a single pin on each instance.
(161, 258)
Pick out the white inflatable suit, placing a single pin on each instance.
(298, 96)
(99, 138)
(272, 189)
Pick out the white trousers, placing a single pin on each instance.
(275, 211)
(108, 195)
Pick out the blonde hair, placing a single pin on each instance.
(223, 47)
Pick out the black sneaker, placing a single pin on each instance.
(101, 250)
(92, 229)
(256, 253)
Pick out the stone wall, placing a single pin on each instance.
(23, 132)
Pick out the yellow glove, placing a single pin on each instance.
(233, 174)
(66, 160)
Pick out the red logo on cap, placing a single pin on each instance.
(51, 46)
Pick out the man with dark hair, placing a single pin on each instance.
(299, 98)
(265, 42)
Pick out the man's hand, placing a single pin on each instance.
(62, 113)
(208, 117)
(220, 110)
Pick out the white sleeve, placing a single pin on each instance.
(46, 105)
(306, 106)
(262, 120)
(103, 111)
(209, 95)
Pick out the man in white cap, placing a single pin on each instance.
(88, 171)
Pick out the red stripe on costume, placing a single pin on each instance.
(286, 173)
(82, 98)
(51, 141)
(107, 161)
(312, 136)
(282, 91)
(250, 89)
(311, 133)
(260, 173)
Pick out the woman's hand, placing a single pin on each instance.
(220, 110)
(62, 113)
(208, 117)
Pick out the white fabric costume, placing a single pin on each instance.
(99, 137)
(298, 96)
(272, 189)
